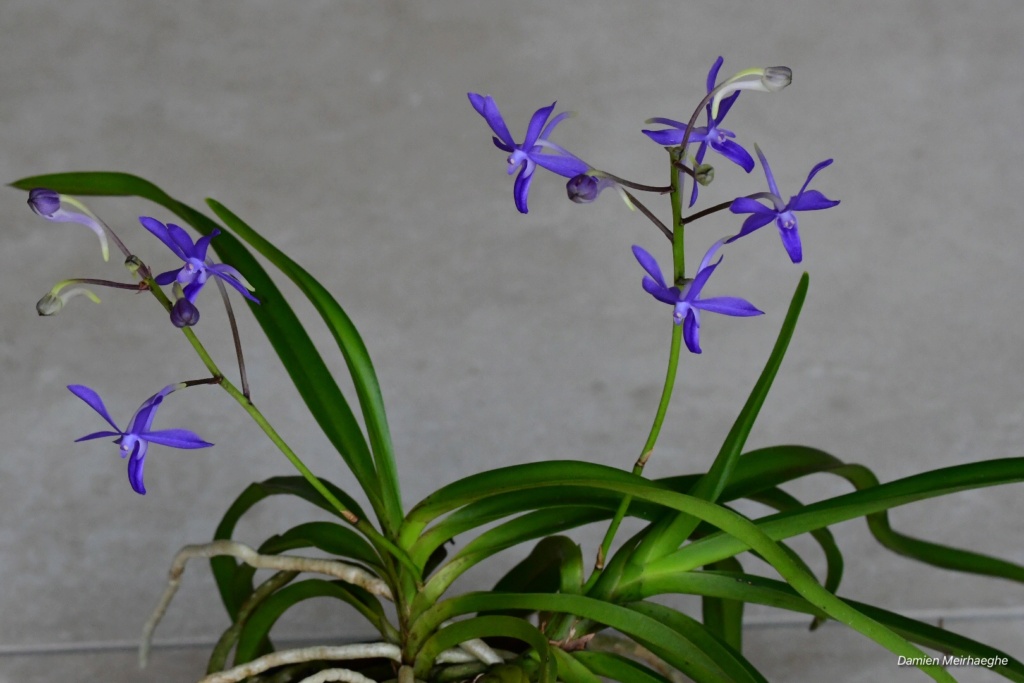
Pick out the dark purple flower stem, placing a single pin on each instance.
(662, 189)
(647, 212)
(243, 378)
(137, 287)
(718, 207)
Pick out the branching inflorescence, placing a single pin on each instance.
(545, 617)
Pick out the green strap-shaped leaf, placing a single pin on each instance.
(925, 551)
(542, 571)
(721, 616)
(617, 667)
(299, 356)
(664, 537)
(512, 533)
(763, 591)
(849, 506)
(757, 470)
(572, 671)
(499, 506)
(257, 626)
(676, 649)
(234, 587)
(219, 654)
(482, 627)
(731, 661)
(746, 534)
(364, 377)
(551, 474)
(780, 500)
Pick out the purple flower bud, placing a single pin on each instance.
(44, 202)
(51, 206)
(184, 313)
(582, 189)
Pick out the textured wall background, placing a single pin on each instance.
(341, 130)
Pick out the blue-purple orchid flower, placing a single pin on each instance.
(719, 139)
(685, 300)
(194, 274)
(531, 153)
(781, 212)
(135, 440)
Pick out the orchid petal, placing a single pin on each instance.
(567, 166)
(701, 279)
(667, 138)
(724, 106)
(234, 279)
(735, 153)
(522, 190)
(94, 401)
(176, 438)
(752, 223)
(203, 243)
(767, 172)
(814, 172)
(160, 231)
(97, 435)
(660, 292)
(791, 241)
(748, 205)
(728, 305)
(143, 417)
(712, 250)
(537, 125)
(649, 263)
(136, 463)
(486, 107)
(812, 200)
(550, 127)
(691, 331)
(182, 239)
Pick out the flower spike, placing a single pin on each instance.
(781, 212)
(134, 442)
(685, 300)
(50, 205)
(527, 156)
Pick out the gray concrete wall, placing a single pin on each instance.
(341, 130)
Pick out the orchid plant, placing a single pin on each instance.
(556, 615)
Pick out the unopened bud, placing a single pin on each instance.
(769, 79)
(50, 205)
(184, 313)
(133, 263)
(49, 305)
(704, 174)
(55, 300)
(582, 189)
(776, 78)
(44, 202)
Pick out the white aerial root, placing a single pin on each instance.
(309, 654)
(327, 652)
(340, 570)
(337, 675)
